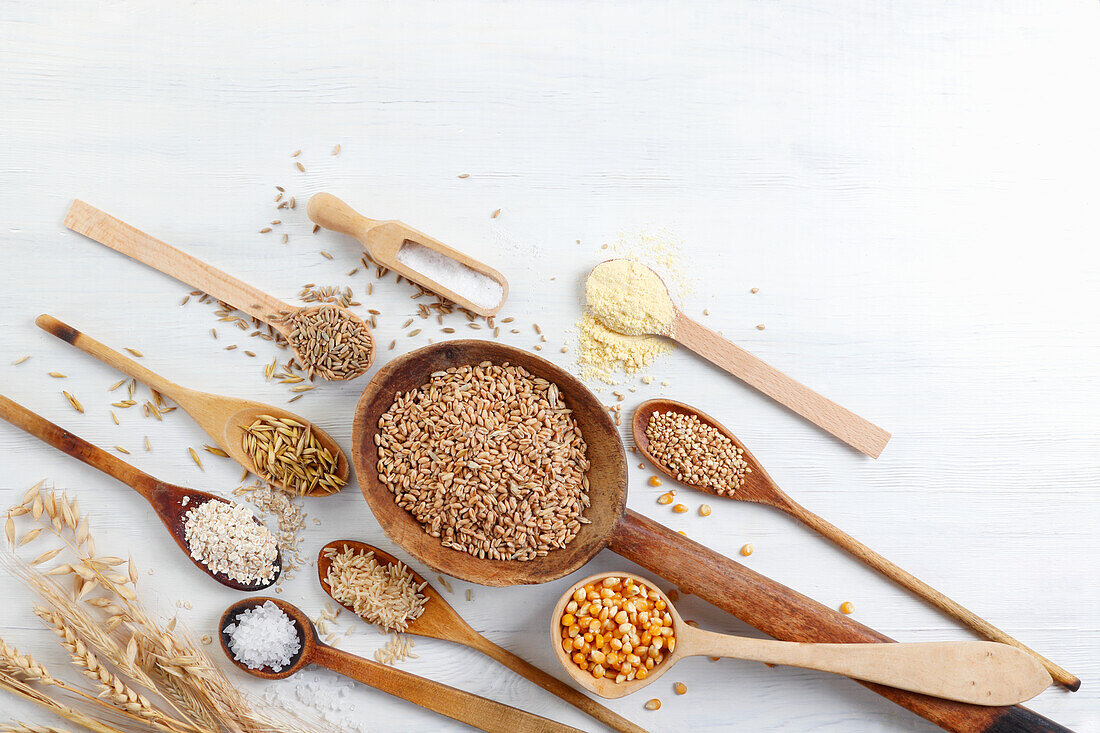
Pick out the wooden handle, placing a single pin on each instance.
(76, 447)
(466, 707)
(788, 615)
(862, 435)
(917, 586)
(332, 213)
(978, 672)
(107, 355)
(121, 237)
(552, 684)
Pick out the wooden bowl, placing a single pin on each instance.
(607, 475)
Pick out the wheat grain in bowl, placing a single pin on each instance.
(489, 459)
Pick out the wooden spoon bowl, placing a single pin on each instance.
(976, 672)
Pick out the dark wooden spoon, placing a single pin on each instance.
(760, 488)
(466, 707)
(440, 621)
(170, 502)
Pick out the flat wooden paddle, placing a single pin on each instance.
(100, 226)
(760, 488)
(170, 502)
(465, 707)
(223, 418)
(441, 621)
(977, 672)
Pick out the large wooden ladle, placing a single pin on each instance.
(223, 418)
(440, 621)
(760, 488)
(977, 672)
(755, 599)
(100, 226)
(170, 502)
(466, 707)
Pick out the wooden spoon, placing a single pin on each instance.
(465, 707)
(121, 237)
(756, 599)
(826, 414)
(760, 488)
(976, 672)
(384, 239)
(223, 418)
(170, 502)
(440, 621)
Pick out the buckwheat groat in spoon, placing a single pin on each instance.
(631, 299)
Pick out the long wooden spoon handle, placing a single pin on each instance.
(857, 432)
(76, 447)
(121, 237)
(332, 213)
(788, 615)
(479, 712)
(552, 684)
(917, 586)
(978, 672)
(107, 355)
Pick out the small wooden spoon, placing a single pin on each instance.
(384, 239)
(223, 418)
(170, 502)
(977, 672)
(466, 707)
(760, 488)
(85, 219)
(441, 621)
(826, 414)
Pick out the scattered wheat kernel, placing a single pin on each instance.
(301, 167)
(564, 349)
(653, 704)
(135, 352)
(296, 153)
(654, 480)
(680, 508)
(336, 150)
(58, 375)
(664, 499)
(760, 327)
(496, 213)
(747, 550)
(20, 360)
(195, 458)
(265, 230)
(463, 175)
(754, 291)
(706, 311)
(120, 449)
(704, 510)
(680, 688)
(847, 607)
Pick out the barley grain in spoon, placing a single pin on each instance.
(655, 314)
(170, 502)
(466, 707)
(327, 340)
(760, 488)
(975, 672)
(439, 620)
(223, 418)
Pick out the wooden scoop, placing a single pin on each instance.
(384, 239)
(170, 502)
(757, 600)
(223, 418)
(976, 672)
(465, 707)
(440, 621)
(826, 414)
(760, 488)
(121, 237)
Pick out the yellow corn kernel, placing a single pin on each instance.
(847, 607)
(654, 480)
(653, 704)
(747, 550)
(704, 510)
(568, 620)
(679, 508)
(664, 499)
(680, 688)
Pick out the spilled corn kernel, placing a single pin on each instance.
(653, 704)
(654, 480)
(847, 607)
(746, 550)
(664, 499)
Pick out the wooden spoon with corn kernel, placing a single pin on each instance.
(225, 419)
(440, 620)
(976, 672)
(760, 488)
(346, 360)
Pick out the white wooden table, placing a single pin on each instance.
(911, 185)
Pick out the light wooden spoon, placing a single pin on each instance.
(100, 226)
(466, 707)
(797, 397)
(977, 672)
(223, 418)
(384, 239)
(440, 621)
(170, 502)
(760, 488)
